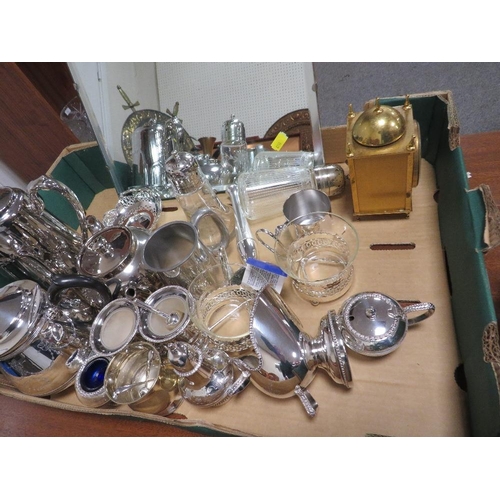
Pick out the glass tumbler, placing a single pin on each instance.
(317, 251)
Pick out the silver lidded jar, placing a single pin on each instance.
(234, 154)
(193, 192)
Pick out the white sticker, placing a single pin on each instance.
(258, 274)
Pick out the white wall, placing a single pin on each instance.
(98, 82)
(9, 178)
(208, 93)
(257, 93)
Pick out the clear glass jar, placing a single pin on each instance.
(263, 193)
(235, 159)
(234, 153)
(193, 192)
(277, 159)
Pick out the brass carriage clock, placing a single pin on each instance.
(383, 155)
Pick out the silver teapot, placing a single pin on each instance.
(115, 255)
(41, 348)
(370, 323)
(287, 358)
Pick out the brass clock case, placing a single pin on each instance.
(383, 155)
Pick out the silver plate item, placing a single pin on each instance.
(375, 324)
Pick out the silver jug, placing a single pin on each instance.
(31, 239)
(287, 356)
(41, 350)
(149, 153)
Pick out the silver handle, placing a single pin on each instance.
(245, 242)
(208, 212)
(269, 233)
(307, 400)
(427, 307)
(47, 183)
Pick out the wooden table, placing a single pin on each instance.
(19, 418)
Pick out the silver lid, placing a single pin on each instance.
(330, 179)
(233, 130)
(177, 137)
(373, 323)
(106, 250)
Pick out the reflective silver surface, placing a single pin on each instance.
(115, 327)
(375, 324)
(34, 241)
(245, 242)
(132, 373)
(304, 202)
(176, 253)
(211, 377)
(288, 357)
(171, 301)
(116, 253)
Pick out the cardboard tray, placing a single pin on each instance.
(411, 392)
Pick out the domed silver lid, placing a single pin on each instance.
(374, 324)
(233, 130)
(106, 251)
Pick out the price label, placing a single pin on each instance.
(258, 274)
(279, 141)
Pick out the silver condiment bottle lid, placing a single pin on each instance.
(233, 131)
(183, 172)
(330, 179)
